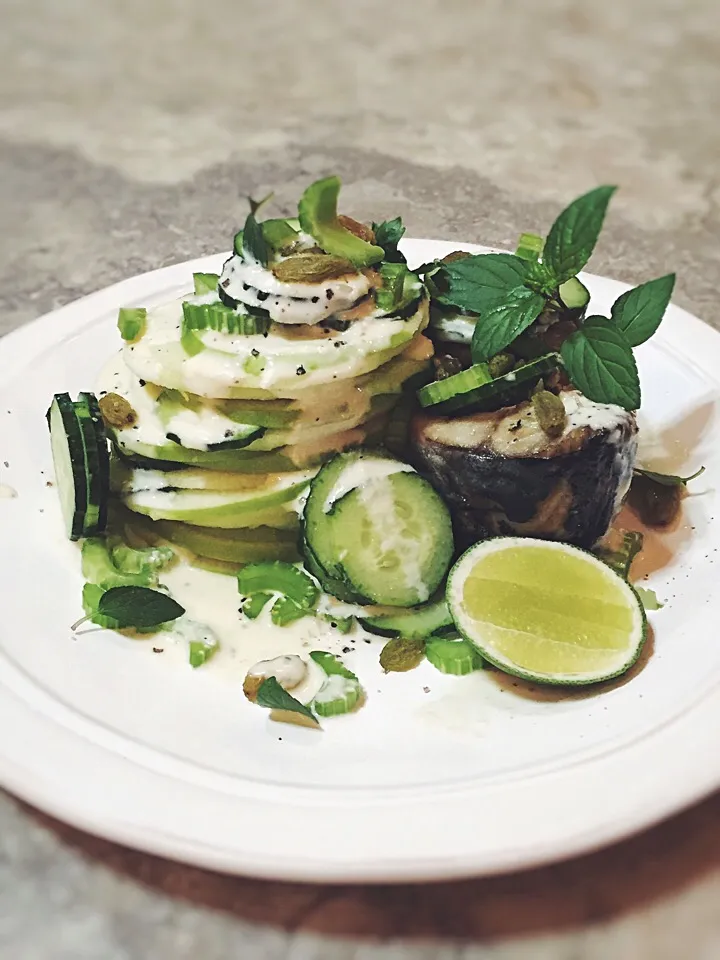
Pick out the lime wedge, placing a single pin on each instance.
(546, 611)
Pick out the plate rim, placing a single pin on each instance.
(22, 779)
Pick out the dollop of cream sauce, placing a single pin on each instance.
(7, 492)
(253, 284)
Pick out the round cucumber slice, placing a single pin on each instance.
(224, 509)
(394, 539)
(69, 463)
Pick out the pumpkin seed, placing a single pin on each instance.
(312, 268)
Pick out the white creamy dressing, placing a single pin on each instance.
(289, 670)
(335, 687)
(7, 492)
(379, 505)
(255, 285)
(362, 471)
(582, 412)
(261, 366)
(192, 631)
(213, 599)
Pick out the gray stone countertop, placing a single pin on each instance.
(129, 132)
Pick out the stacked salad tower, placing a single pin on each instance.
(224, 402)
(321, 419)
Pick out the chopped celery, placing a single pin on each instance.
(331, 664)
(255, 604)
(131, 322)
(146, 560)
(338, 695)
(279, 577)
(205, 283)
(200, 653)
(285, 611)
(530, 247)
(389, 295)
(457, 657)
(621, 557)
(98, 567)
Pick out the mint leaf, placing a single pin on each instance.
(387, 235)
(600, 363)
(205, 283)
(480, 281)
(138, 607)
(254, 243)
(639, 311)
(573, 236)
(331, 665)
(667, 479)
(255, 205)
(540, 279)
(499, 325)
(275, 697)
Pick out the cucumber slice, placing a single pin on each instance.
(574, 294)
(69, 463)
(474, 390)
(97, 463)
(395, 539)
(137, 481)
(230, 546)
(332, 585)
(174, 457)
(224, 509)
(413, 624)
(316, 523)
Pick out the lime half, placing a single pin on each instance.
(546, 611)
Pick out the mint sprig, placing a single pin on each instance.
(639, 311)
(600, 363)
(388, 235)
(502, 323)
(669, 479)
(573, 236)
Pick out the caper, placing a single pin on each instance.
(312, 268)
(116, 411)
(446, 366)
(500, 364)
(656, 504)
(401, 654)
(550, 412)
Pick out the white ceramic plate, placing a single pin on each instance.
(470, 777)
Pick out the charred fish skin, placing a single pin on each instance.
(567, 489)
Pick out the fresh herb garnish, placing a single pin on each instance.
(130, 607)
(479, 282)
(275, 697)
(254, 243)
(139, 606)
(668, 479)
(255, 205)
(600, 363)
(639, 311)
(573, 236)
(387, 235)
(502, 323)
